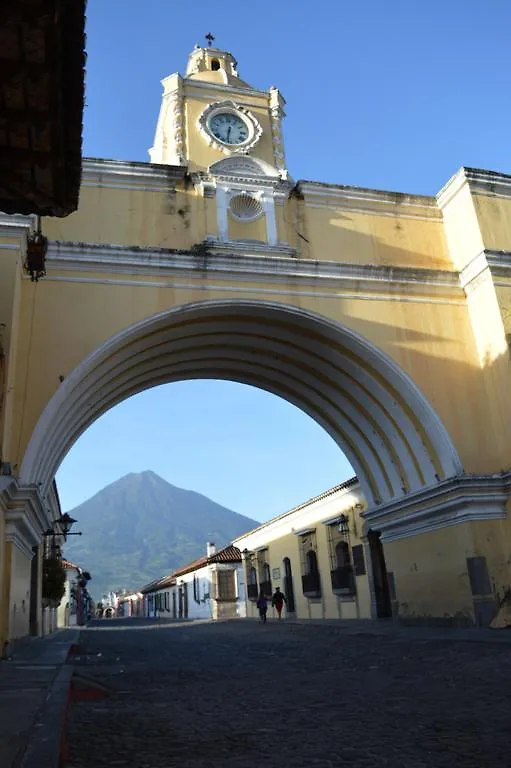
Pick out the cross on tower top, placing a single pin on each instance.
(209, 37)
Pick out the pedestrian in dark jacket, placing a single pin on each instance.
(262, 604)
(278, 600)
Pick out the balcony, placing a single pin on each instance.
(252, 592)
(343, 580)
(265, 588)
(311, 584)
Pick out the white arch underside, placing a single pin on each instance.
(388, 431)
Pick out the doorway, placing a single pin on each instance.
(288, 586)
(380, 578)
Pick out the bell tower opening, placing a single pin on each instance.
(215, 65)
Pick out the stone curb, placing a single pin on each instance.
(46, 747)
(47, 744)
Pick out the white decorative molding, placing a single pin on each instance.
(472, 274)
(495, 263)
(245, 207)
(244, 168)
(390, 433)
(499, 263)
(133, 176)
(374, 201)
(271, 221)
(169, 139)
(273, 262)
(254, 128)
(176, 150)
(25, 513)
(277, 114)
(460, 499)
(480, 182)
(205, 85)
(222, 205)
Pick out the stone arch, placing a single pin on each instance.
(390, 433)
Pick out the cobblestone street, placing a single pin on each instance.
(240, 694)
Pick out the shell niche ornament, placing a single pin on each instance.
(245, 207)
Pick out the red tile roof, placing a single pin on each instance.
(228, 554)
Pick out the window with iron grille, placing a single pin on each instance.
(252, 588)
(167, 601)
(308, 545)
(196, 589)
(263, 568)
(359, 564)
(311, 581)
(342, 574)
(226, 586)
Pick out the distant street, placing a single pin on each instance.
(243, 695)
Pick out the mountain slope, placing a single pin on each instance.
(141, 527)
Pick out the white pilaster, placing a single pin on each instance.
(222, 202)
(268, 202)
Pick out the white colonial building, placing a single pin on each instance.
(211, 587)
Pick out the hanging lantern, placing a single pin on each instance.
(37, 245)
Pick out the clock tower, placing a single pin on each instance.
(228, 135)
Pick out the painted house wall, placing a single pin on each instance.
(279, 539)
(202, 601)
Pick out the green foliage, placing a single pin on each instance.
(141, 527)
(54, 579)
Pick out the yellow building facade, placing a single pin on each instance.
(383, 316)
(320, 559)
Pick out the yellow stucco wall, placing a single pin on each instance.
(409, 287)
(435, 347)
(494, 220)
(431, 572)
(365, 238)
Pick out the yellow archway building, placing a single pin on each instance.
(382, 315)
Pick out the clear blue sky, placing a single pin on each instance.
(393, 95)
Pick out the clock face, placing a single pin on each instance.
(228, 128)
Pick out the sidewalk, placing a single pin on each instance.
(34, 687)
(395, 629)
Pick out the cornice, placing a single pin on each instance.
(472, 273)
(497, 262)
(229, 88)
(245, 261)
(25, 514)
(480, 182)
(376, 201)
(248, 250)
(491, 183)
(120, 174)
(281, 187)
(460, 499)
(16, 225)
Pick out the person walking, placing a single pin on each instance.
(278, 600)
(262, 604)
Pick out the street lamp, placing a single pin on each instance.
(64, 522)
(344, 525)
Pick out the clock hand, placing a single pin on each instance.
(228, 132)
